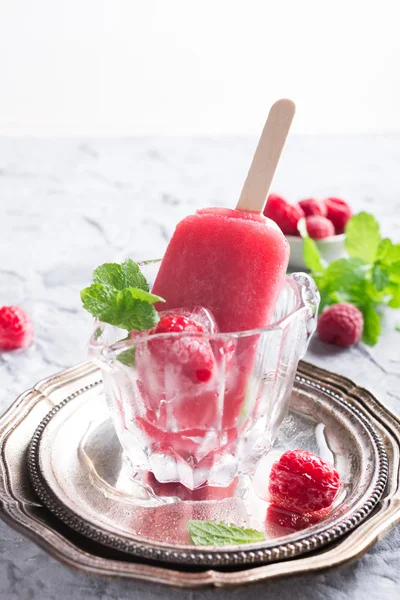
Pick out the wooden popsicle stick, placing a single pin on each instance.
(262, 170)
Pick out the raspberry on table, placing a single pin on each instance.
(341, 324)
(311, 206)
(302, 482)
(16, 328)
(285, 215)
(319, 227)
(339, 212)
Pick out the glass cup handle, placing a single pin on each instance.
(311, 298)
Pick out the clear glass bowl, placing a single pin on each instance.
(204, 427)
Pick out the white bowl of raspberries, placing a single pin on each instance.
(325, 221)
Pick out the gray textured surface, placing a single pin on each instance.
(68, 205)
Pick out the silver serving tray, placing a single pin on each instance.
(359, 417)
(76, 468)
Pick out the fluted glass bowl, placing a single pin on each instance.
(204, 428)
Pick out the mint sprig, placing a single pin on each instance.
(127, 357)
(213, 533)
(369, 277)
(121, 276)
(120, 296)
(363, 237)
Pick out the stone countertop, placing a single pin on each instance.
(67, 205)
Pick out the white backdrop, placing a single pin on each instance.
(197, 67)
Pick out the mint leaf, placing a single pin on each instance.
(119, 277)
(98, 333)
(394, 291)
(344, 275)
(142, 295)
(127, 357)
(212, 533)
(100, 302)
(369, 278)
(372, 324)
(133, 275)
(380, 277)
(384, 249)
(312, 256)
(368, 290)
(388, 253)
(394, 276)
(397, 326)
(127, 309)
(133, 309)
(362, 237)
(387, 261)
(120, 296)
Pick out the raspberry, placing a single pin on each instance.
(319, 227)
(284, 214)
(16, 329)
(193, 353)
(339, 212)
(177, 324)
(302, 482)
(310, 206)
(196, 357)
(341, 324)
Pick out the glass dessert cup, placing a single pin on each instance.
(197, 429)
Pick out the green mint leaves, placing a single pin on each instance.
(127, 357)
(312, 257)
(126, 275)
(369, 278)
(212, 533)
(362, 237)
(120, 296)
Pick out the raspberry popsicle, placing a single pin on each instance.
(233, 262)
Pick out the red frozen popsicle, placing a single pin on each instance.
(233, 262)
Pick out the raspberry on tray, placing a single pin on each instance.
(302, 482)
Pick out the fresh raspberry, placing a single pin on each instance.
(310, 206)
(284, 214)
(177, 324)
(341, 324)
(193, 353)
(339, 212)
(196, 357)
(302, 482)
(16, 329)
(319, 227)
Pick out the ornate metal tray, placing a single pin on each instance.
(356, 426)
